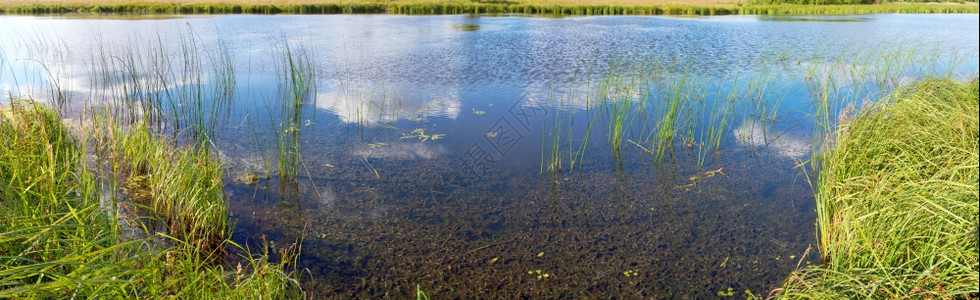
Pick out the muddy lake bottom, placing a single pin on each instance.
(641, 230)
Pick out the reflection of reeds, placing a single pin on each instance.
(622, 96)
(181, 187)
(259, 148)
(659, 105)
(184, 90)
(552, 141)
(141, 93)
(367, 104)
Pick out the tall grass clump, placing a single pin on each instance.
(62, 237)
(841, 83)
(296, 90)
(564, 142)
(174, 273)
(677, 111)
(173, 84)
(897, 200)
(55, 242)
(182, 186)
(623, 96)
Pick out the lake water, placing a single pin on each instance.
(472, 155)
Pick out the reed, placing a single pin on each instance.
(180, 87)
(844, 82)
(623, 96)
(296, 90)
(897, 199)
(765, 89)
(553, 130)
(152, 89)
(180, 187)
(62, 237)
(564, 143)
(654, 102)
(675, 95)
(721, 109)
(203, 85)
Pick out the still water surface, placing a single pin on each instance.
(480, 211)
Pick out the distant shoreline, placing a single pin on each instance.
(422, 7)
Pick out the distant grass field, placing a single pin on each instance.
(431, 7)
(391, 2)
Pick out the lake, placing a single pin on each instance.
(503, 156)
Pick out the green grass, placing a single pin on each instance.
(477, 7)
(296, 91)
(556, 131)
(52, 234)
(182, 186)
(561, 149)
(623, 95)
(897, 200)
(63, 233)
(801, 9)
(154, 90)
(181, 86)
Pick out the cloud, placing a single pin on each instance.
(785, 143)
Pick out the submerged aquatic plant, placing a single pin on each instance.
(183, 188)
(420, 294)
(559, 129)
(180, 87)
(419, 134)
(623, 96)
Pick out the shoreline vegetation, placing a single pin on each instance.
(147, 219)
(897, 200)
(533, 7)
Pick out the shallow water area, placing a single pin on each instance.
(641, 157)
